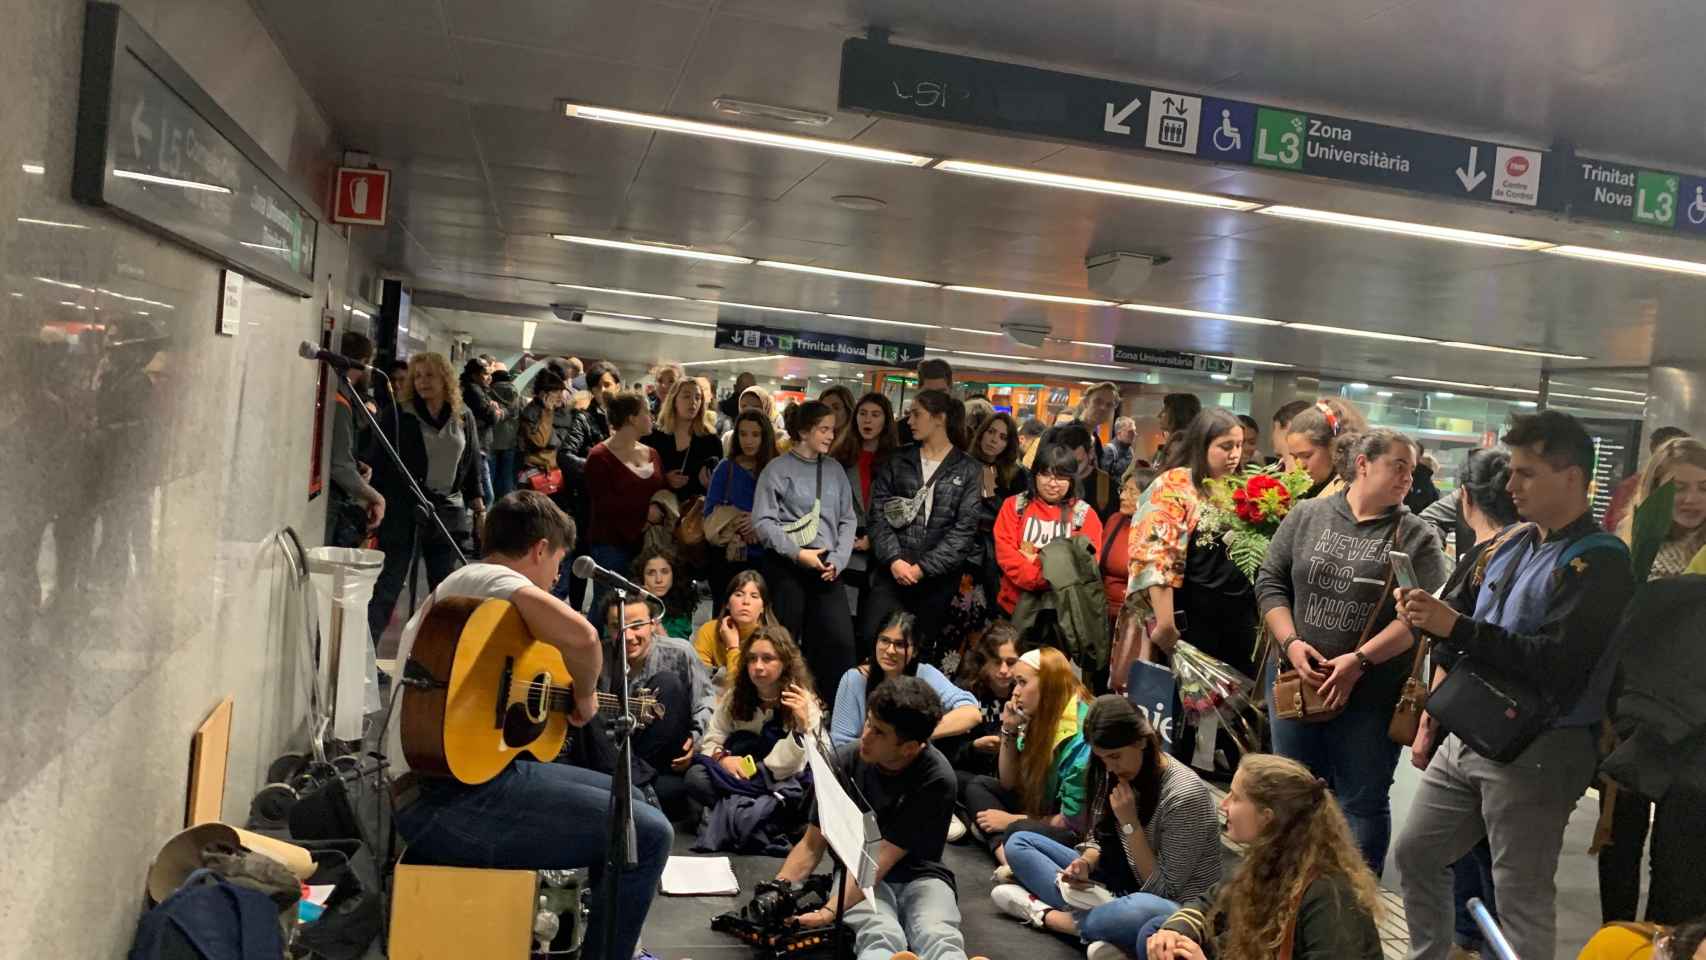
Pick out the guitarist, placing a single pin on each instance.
(533, 816)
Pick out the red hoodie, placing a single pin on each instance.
(1038, 525)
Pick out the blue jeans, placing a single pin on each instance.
(1037, 861)
(503, 472)
(921, 915)
(1354, 754)
(541, 816)
(486, 478)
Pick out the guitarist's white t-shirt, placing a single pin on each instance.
(484, 581)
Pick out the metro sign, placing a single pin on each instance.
(362, 197)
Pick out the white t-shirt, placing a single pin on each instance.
(487, 581)
(927, 468)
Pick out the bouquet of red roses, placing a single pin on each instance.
(1245, 510)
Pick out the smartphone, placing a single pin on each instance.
(1403, 571)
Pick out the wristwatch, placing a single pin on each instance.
(1285, 645)
(1128, 828)
(1363, 661)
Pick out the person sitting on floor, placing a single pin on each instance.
(1043, 757)
(909, 786)
(1303, 889)
(897, 656)
(986, 672)
(718, 640)
(667, 670)
(1154, 842)
(754, 748)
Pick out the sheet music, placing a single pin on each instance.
(699, 877)
(852, 833)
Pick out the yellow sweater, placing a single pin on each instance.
(707, 643)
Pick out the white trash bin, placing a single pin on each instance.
(343, 579)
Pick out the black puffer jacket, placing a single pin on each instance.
(941, 544)
(1660, 711)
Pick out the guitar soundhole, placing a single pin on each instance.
(524, 719)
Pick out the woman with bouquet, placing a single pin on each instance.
(1321, 594)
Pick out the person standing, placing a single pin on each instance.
(1618, 509)
(733, 484)
(1252, 442)
(505, 432)
(922, 524)
(933, 374)
(586, 428)
(1119, 453)
(803, 513)
(1545, 612)
(1322, 594)
(685, 443)
(869, 440)
(1096, 410)
(996, 447)
(1098, 489)
(438, 442)
(1310, 443)
(664, 378)
(476, 377)
(355, 509)
(621, 475)
(1282, 428)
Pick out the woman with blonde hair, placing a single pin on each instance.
(1042, 761)
(1302, 891)
(685, 443)
(438, 441)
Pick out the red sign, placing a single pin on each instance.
(1517, 165)
(362, 196)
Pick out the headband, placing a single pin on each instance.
(1332, 418)
(1033, 659)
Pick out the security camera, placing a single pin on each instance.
(1119, 275)
(1026, 333)
(568, 312)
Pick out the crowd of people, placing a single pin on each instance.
(945, 603)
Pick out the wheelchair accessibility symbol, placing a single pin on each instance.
(1227, 138)
(1697, 210)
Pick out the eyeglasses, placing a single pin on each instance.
(893, 644)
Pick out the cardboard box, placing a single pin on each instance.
(451, 913)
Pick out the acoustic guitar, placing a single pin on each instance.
(480, 691)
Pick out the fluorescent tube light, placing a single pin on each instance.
(1091, 343)
(1008, 356)
(1692, 267)
(1253, 363)
(1446, 383)
(847, 274)
(1116, 188)
(754, 306)
(651, 248)
(879, 320)
(623, 293)
(1426, 230)
(765, 138)
(980, 333)
(1525, 391)
(1219, 377)
(1577, 396)
(1463, 345)
(687, 323)
(1202, 314)
(528, 329)
(363, 314)
(60, 283)
(1627, 393)
(1384, 393)
(619, 316)
(170, 181)
(768, 356)
(54, 223)
(1023, 295)
(122, 296)
(33, 169)
(1370, 334)
(268, 247)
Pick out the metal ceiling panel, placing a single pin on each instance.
(530, 78)
(636, 32)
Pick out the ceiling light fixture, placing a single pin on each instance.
(1577, 396)
(1091, 343)
(60, 283)
(1641, 260)
(651, 248)
(1627, 393)
(1425, 230)
(268, 247)
(33, 169)
(1008, 356)
(754, 306)
(1219, 377)
(847, 274)
(687, 323)
(1136, 191)
(980, 333)
(1370, 334)
(53, 223)
(1023, 295)
(622, 293)
(619, 316)
(528, 329)
(170, 181)
(122, 296)
(1519, 351)
(736, 107)
(707, 363)
(1384, 393)
(1525, 391)
(1446, 383)
(1202, 314)
(834, 148)
(882, 322)
(363, 314)
(1253, 363)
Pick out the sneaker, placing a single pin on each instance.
(1103, 950)
(956, 829)
(1017, 902)
(1087, 897)
(1003, 874)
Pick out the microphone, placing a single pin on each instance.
(587, 568)
(309, 351)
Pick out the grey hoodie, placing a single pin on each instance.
(1329, 569)
(786, 490)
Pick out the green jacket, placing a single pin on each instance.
(1330, 925)
(1078, 598)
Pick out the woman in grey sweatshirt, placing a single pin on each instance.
(1320, 593)
(804, 515)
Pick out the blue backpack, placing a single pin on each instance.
(210, 919)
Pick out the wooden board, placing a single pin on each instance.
(448, 913)
(209, 750)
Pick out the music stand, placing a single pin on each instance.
(849, 828)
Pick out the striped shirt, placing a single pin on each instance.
(1184, 834)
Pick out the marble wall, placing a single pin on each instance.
(146, 464)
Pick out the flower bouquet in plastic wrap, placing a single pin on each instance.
(1212, 695)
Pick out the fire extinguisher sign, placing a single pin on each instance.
(363, 194)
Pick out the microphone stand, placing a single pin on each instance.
(621, 850)
(423, 503)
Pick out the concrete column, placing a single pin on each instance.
(1272, 389)
(1676, 397)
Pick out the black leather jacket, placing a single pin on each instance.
(943, 543)
(588, 429)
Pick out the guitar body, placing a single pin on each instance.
(496, 693)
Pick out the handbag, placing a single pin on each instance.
(1297, 700)
(1412, 700)
(803, 531)
(543, 481)
(899, 512)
